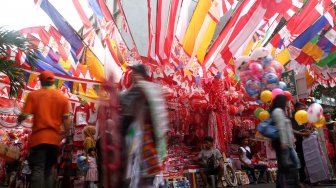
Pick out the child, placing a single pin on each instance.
(92, 173)
(89, 141)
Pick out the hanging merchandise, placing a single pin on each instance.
(81, 117)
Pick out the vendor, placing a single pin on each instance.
(245, 157)
(300, 132)
(330, 124)
(211, 160)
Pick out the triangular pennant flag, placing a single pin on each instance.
(84, 87)
(77, 90)
(91, 93)
(88, 87)
(19, 95)
(65, 64)
(56, 83)
(92, 106)
(74, 87)
(60, 83)
(32, 77)
(96, 88)
(26, 76)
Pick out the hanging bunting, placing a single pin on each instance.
(26, 76)
(60, 84)
(56, 82)
(96, 88)
(83, 86)
(75, 87)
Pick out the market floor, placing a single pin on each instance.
(273, 186)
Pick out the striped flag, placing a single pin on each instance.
(161, 28)
(195, 25)
(65, 29)
(308, 41)
(207, 30)
(299, 23)
(172, 23)
(244, 22)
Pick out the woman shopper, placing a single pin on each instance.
(287, 159)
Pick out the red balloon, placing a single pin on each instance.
(288, 95)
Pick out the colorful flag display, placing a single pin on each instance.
(188, 41)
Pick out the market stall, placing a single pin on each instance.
(219, 64)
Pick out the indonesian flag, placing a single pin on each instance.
(172, 23)
(161, 28)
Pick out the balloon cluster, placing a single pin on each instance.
(260, 72)
(261, 114)
(313, 115)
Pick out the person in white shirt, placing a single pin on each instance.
(245, 157)
(211, 160)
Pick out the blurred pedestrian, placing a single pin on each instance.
(50, 110)
(144, 120)
(287, 159)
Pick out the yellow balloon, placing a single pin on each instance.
(319, 122)
(266, 96)
(264, 115)
(301, 117)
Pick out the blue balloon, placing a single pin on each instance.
(282, 85)
(267, 60)
(253, 87)
(270, 78)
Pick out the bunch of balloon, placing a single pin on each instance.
(315, 115)
(301, 117)
(261, 114)
(260, 75)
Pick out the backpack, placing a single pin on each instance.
(211, 162)
(248, 154)
(82, 164)
(268, 129)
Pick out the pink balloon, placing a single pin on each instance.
(256, 69)
(276, 92)
(278, 67)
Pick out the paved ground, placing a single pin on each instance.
(273, 186)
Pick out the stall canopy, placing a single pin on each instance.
(186, 42)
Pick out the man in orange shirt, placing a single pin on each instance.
(50, 109)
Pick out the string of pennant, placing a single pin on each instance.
(86, 88)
